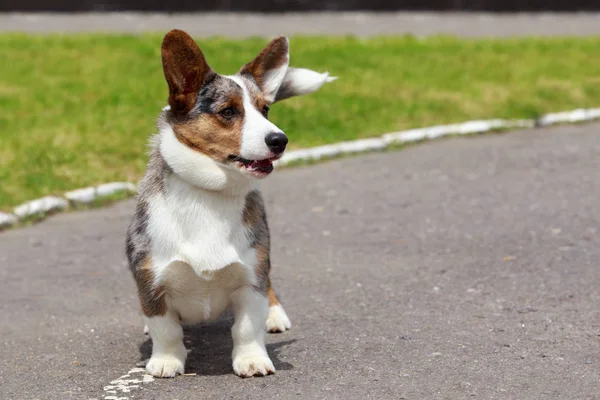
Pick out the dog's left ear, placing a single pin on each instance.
(185, 68)
(269, 68)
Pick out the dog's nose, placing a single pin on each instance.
(276, 141)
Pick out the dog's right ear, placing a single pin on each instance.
(185, 68)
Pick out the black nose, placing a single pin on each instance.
(276, 141)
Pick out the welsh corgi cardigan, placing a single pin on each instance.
(199, 240)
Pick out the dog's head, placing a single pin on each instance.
(224, 119)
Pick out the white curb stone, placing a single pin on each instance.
(358, 146)
(88, 194)
(83, 196)
(114, 187)
(433, 132)
(519, 123)
(578, 115)
(466, 128)
(7, 220)
(331, 150)
(40, 206)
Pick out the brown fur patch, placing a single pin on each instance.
(273, 56)
(185, 70)
(273, 300)
(152, 297)
(263, 266)
(211, 135)
(205, 129)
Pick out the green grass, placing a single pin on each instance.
(77, 110)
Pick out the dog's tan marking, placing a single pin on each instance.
(263, 267)
(273, 300)
(152, 297)
(210, 135)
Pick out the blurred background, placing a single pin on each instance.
(299, 5)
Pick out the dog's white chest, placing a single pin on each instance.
(201, 298)
(201, 229)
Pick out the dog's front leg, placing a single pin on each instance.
(168, 350)
(250, 309)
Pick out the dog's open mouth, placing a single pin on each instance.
(255, 167)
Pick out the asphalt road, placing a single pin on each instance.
(458, 269)
(330, 23)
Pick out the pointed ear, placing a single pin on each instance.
(269, 67)
(299, 81)
(185, 68)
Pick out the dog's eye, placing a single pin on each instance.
(227, 113)
(265, 111)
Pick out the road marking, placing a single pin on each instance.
(126, 383)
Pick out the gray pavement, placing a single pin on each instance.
(344, 23)
(462, 268)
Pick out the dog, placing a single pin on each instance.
(198, 243)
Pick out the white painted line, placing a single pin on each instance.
(127, 383)
(41, 206)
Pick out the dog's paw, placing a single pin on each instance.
(255, 364)
(278, 320)
(165, 366)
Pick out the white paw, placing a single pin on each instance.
(278, 320)
(166, 365)
(253, 364)
(146, 330)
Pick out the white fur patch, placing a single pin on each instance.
(273, 79)
(256, 128)
(203, 298)
(197, 219)
(194, 167)
(252, 362)
(168, 350)
(201, 228)
(301, 81)
(278, 320)
(249, 353)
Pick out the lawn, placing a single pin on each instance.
(77, 110)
